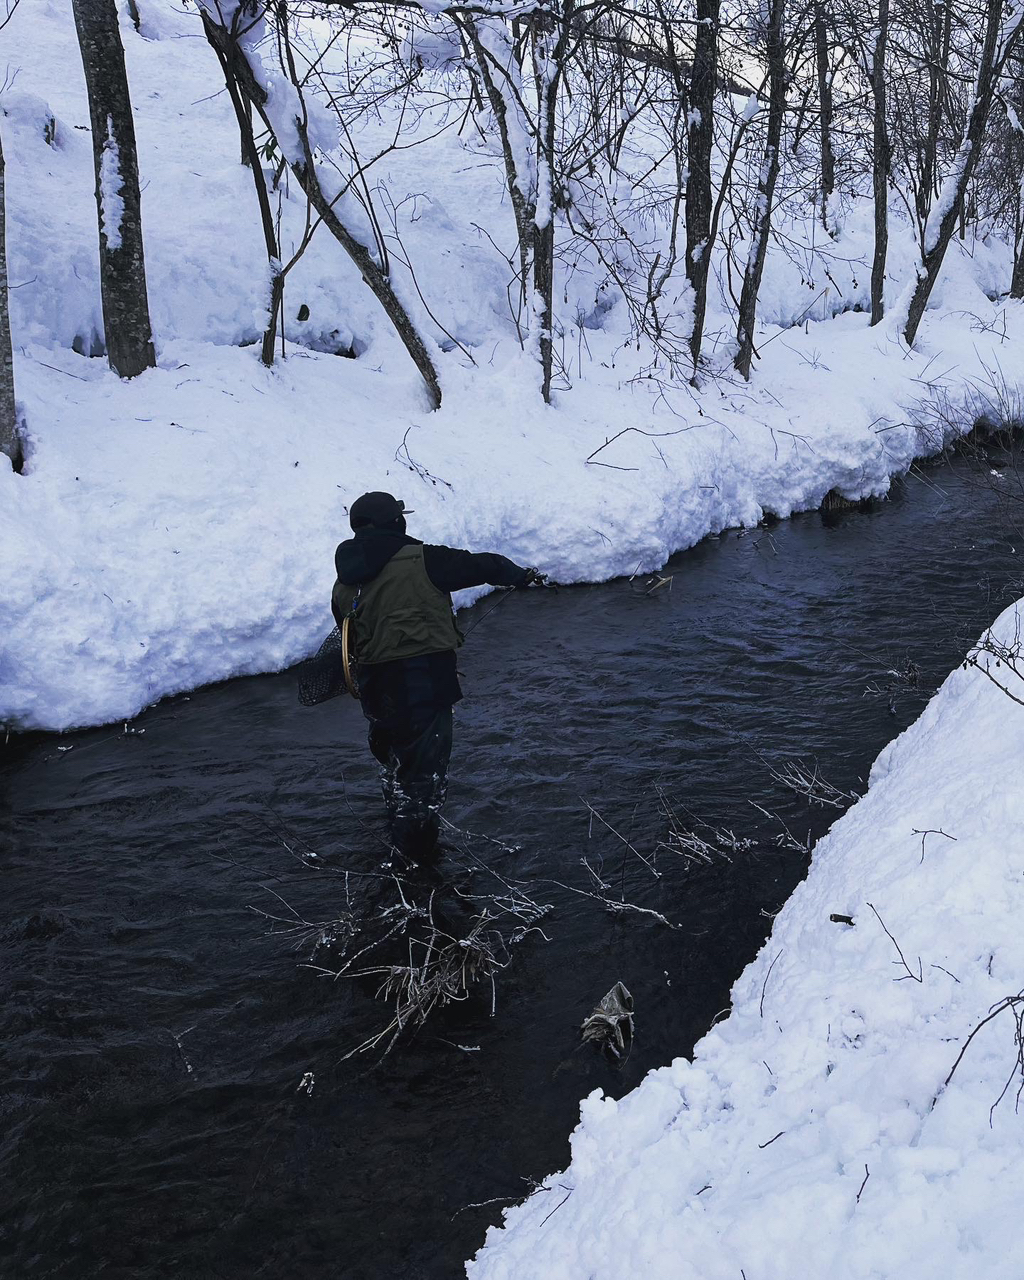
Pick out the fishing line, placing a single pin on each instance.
(537, 582)
(501, 600)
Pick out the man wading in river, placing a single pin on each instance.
(398, 593)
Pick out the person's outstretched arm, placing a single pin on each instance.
(452, 570)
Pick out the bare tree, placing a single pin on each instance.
(126, 324)
(500, 74)
(701, 140)
(627, 152)
(1000, 37)
(236, 58)
(1012, 166)
(879, 164)
(528, 136)
(761, 221)
(251, 159)
(10, 442)
(939, 39)
(548, 48)
(824, 73)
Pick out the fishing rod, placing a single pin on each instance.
(506, 592)
(539, 581)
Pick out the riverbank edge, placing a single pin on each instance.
(854, 1115)
(149, 557)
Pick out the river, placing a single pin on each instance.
(177, 1096)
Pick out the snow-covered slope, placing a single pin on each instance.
(811, 1135)
(179, 529)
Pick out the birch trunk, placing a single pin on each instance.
(546, 72)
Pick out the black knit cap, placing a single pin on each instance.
(377, 509)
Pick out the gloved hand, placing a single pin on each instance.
(533, 578)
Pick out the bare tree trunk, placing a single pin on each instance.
(530, 179)
(521, 190)
(950, 203)
(126, 323)
(880, 165)
(700, 144)
(10, 442)
(546, 62)
(305, 173)
(250, 157)
(939, 36)
(828, 163)
(761, 223)
(1017, 279)
(247, 108)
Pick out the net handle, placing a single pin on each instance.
(347, 657)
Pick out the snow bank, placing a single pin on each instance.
(179, 529)
(811, 1134)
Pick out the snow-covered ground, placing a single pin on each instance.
(179, 529)
(813, 1133)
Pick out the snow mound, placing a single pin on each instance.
(812, 1134)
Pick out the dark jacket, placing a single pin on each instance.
(412, 689)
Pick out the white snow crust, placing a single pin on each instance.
(111, 188)
(811, 1134)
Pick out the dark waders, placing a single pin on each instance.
(414, 778)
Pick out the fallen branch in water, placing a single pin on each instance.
(604, 822)
(806, 781)
(720, 843)
(428, 941)
(785, 838)
(615, 905)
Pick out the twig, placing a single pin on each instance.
(766, 977)
(918, 977)
(403, 456)
(649, 865)
(614, 904)
(930, 832)
(639, 431)
(1008, 1002)
(560, 1203)
(806, 781)
(480, 1204)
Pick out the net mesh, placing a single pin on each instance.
(322, 677)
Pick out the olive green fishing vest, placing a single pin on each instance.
(401, 614)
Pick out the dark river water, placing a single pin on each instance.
(177, 1096)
